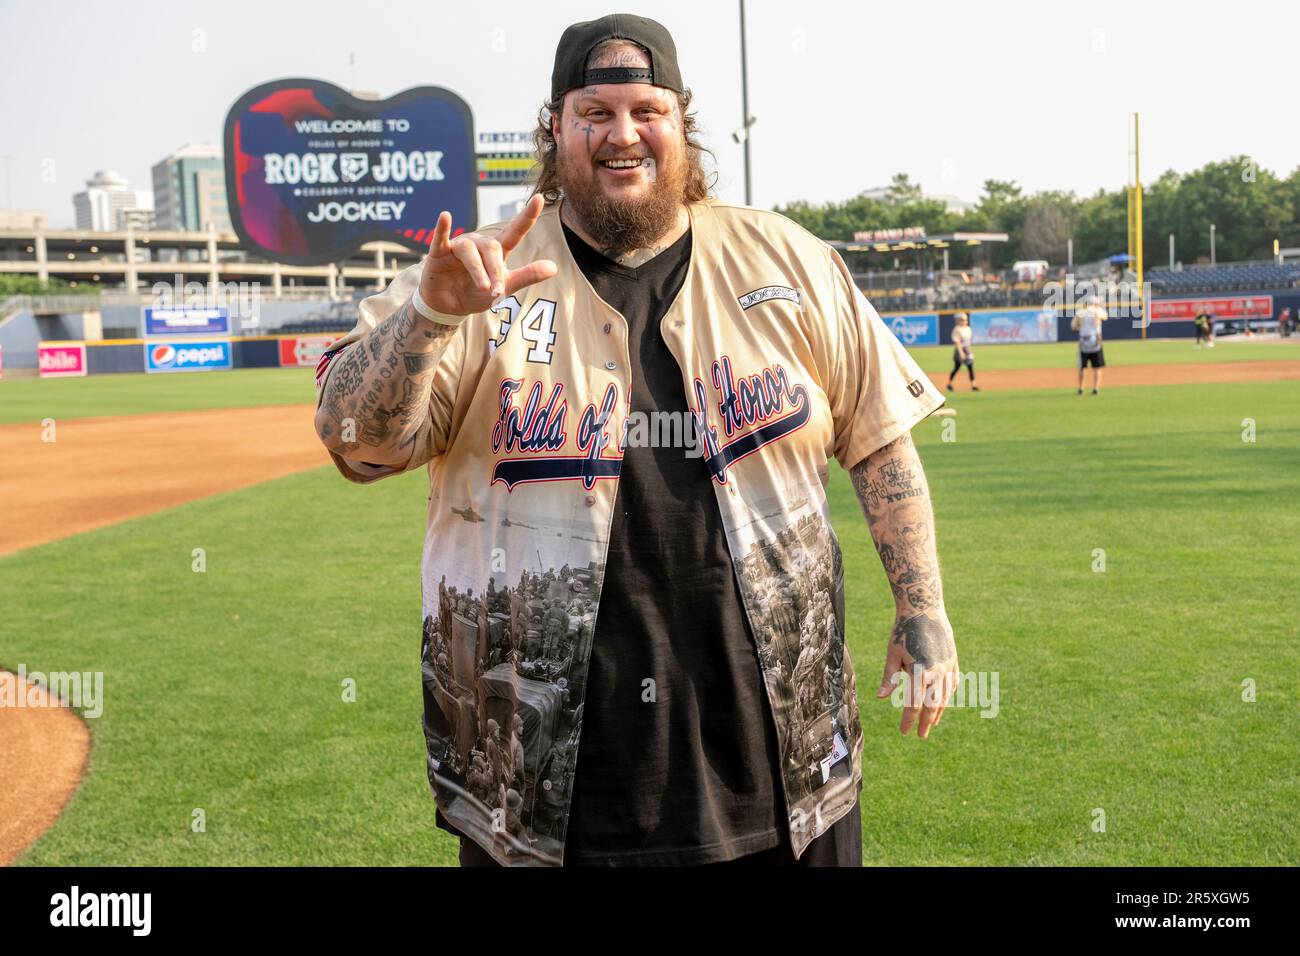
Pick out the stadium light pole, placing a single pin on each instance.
(1213, 260)
(742, 135)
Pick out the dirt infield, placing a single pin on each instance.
(1025, 379)
(99, 471)
(43, 751)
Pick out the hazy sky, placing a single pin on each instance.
(845, 94)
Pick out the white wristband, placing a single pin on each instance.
(423, 308)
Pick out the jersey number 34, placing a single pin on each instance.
(537, 326)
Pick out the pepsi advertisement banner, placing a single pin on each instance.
(914, 329)
(215, 321)
(312, 172)
(1002, 326)
(187, 356)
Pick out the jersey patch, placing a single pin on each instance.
(839, 750)
(767, 293)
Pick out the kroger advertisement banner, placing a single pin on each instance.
(187, 356)
(1004, 326)
(312, 172)
(918, 329)
(61, 359)
(187, 321)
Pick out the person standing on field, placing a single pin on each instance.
(963, 352)
(1087, 322)
(1204, 326)
(672, 685)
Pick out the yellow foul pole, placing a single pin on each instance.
(1136, 218)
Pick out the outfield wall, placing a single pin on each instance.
(1021, 325)
(25, 347)
(22, 334)
(192, 354)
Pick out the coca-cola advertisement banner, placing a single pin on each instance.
(313, 172)
(61, 359)
(1000, 326)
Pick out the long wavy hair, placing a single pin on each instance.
(547, 180)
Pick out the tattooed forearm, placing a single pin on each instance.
(895, 498)
(374, 400)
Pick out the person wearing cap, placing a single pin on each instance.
(691, 699)
(963, 352)
(1087, 322)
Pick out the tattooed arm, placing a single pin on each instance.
(375, 399)
(895, 498)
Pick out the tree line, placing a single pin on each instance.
(1249, 206)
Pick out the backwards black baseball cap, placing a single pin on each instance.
(577, 43)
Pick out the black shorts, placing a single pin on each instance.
(841, 845)
(1096, 359)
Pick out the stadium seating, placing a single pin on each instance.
(316, 325)
(930, 291)
(1233, 277)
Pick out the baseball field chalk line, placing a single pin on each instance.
(44, 749)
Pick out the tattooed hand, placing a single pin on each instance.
(895, 498)
(469, 273)
(374, 404)
(922, 647)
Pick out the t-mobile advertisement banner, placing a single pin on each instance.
(61, 359)
(186, 321)
(187, 356)
(313, 172)
(1013, 326)
(1219, 307)
(919, 329)
(304, 350)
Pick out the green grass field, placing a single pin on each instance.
(1120, 691)
(938, 358)
(32, 399)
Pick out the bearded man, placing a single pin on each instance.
(633, 294)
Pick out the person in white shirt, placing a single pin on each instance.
(1087, 322)
(962, 351)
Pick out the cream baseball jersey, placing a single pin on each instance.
(784, 364)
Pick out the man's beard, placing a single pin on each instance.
(621, 224)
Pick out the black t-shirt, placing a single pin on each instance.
(693, 776)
